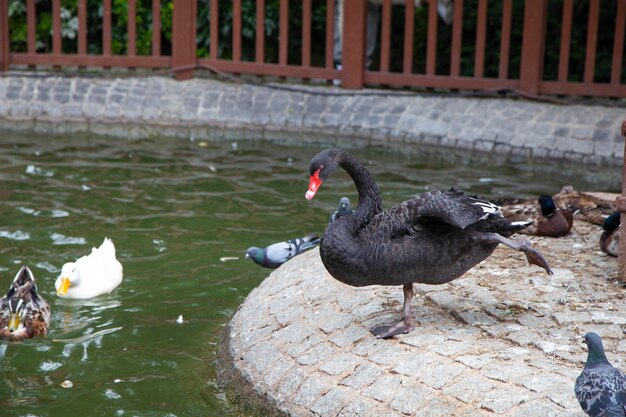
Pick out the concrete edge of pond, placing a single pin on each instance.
(137, 107)
(503, 340)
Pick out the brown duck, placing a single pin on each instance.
(547, 218)
(591, 207)
(432, 239)
(23, 313)
(609, 240)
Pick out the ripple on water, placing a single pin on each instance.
(16, 235)
(35, 170)
(112, 395)
(59, 213)
(59, 239)
(48, 366)
(47, 267)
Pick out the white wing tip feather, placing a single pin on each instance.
(488, 208)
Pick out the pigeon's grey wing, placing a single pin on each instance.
(280, 252)
(616, 410)
(595, 392)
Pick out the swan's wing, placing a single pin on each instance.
(452, 207)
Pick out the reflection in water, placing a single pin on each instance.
(182, 214)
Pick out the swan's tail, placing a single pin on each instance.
(502, 225)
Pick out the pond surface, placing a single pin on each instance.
(177, 210)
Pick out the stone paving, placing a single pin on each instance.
(209, 109)
(503, 340)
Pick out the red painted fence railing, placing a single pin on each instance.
(526, 49)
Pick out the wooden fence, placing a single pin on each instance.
(427, 54)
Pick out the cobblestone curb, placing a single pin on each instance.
(205, 108)
(504, 340)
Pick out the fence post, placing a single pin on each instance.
(620, 204)
(184, 39)
(353, 43)
(5, 42)
(533, 42)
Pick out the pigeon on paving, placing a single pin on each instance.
(344, 209)
(277, 254)
(600, 388)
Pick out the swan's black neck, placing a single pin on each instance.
(370, 200)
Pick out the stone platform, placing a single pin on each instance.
(503, 340)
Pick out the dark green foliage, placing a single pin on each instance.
(17, 13)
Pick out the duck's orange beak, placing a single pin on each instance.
(65, 285)
(314, 185)
(14, 323)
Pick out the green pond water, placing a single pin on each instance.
(175, 209)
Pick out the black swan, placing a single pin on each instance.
(431, 239)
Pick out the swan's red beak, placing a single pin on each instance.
(314, 185)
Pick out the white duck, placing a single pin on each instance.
(91, 275)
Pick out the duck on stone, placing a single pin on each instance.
(609, 240)
(590, 207)
(600, 388)
(433, 238)
(23, 313)
(344, 209)
(278, 253)
(547, 219)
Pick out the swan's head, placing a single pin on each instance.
(70, 276)
(322, 165)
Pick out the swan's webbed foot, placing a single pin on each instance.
(533, 256)
(402, 326)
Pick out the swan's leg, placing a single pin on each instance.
(533, 255)
(405, 324)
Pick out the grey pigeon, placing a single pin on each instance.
(600, 388)
(277, 254)
(344, 209)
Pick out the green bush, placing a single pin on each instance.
(17, 13)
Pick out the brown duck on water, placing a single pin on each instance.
(23, 313)
(432, 239)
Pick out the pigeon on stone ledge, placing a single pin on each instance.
(277, 254)
(600, 388)
(343, 210)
